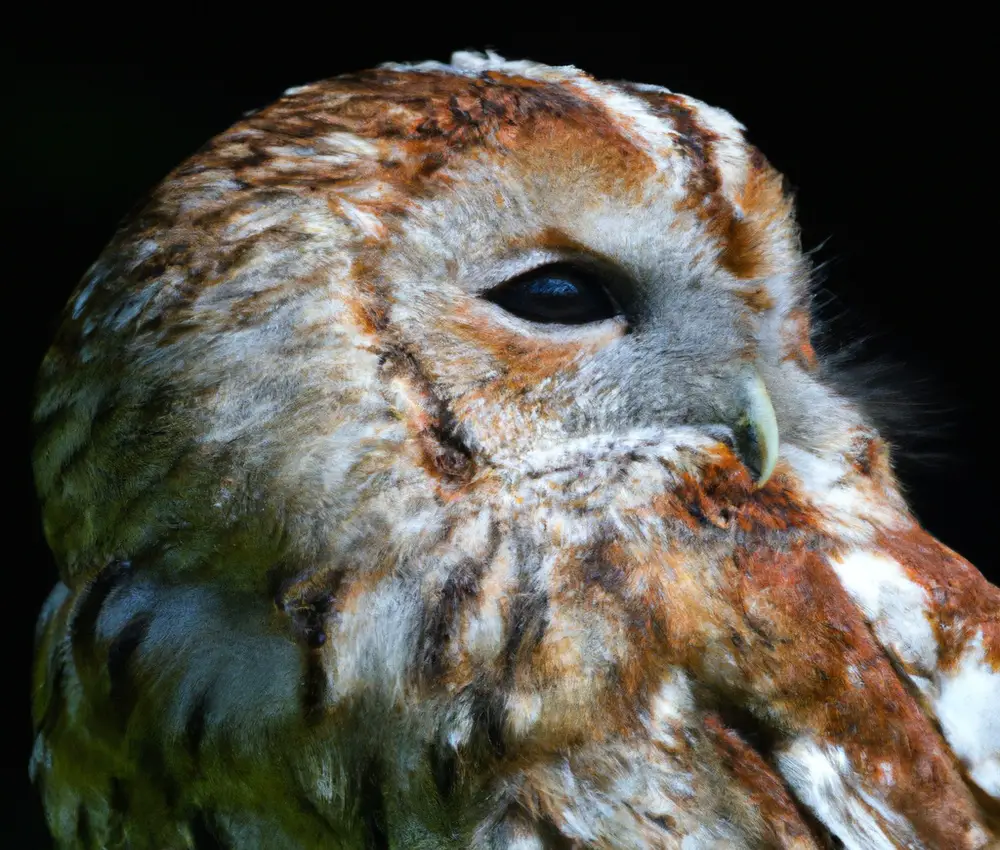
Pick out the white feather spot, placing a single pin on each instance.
(523, 712)
(894, 604)
(525, 842)
(670, 706)
(368, 223)
(83, 296)
(968, 709)
(823, 779)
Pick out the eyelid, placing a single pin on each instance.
(511, 268)
(523, 263)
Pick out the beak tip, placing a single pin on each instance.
(757, 431)
(762, 477)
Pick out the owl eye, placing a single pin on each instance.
(555, 295)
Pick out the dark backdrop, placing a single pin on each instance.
(888, 145)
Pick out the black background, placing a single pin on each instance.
(885, 135)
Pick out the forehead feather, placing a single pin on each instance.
(421, 117)
(475, 85)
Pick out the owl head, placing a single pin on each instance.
(394, 286)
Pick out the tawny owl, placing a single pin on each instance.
(439, 460)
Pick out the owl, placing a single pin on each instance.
(439, 459)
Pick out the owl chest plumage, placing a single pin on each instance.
(523, 667)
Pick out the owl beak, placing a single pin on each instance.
(756, 427)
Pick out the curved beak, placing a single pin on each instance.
(756, 427)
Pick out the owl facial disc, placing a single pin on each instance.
(756, 427)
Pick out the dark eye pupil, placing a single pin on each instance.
(553, 287)
(563, 296)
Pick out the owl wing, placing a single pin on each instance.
(879, 668)
(835, 673)
(164, 718)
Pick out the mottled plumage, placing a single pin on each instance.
(357, 551)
